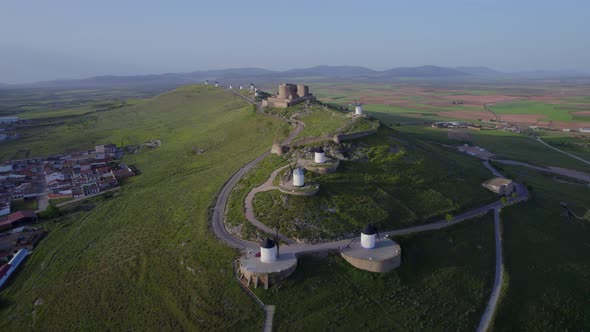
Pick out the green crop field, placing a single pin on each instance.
(145, 259)
(442, 284)
(504, 144)
(546, 257)
(31, 104)
(549, 111)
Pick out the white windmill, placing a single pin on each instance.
(358, 108)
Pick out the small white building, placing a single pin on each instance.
(585, 130)
(268, 251)
(241, 87)
(500, 186)
(230, 87)
(251, 86)
(216, 84)
(298, 177)
(206, 82)
(368, 237)
(319, 156)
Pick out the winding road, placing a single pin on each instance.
(219, 209)
(486, 319)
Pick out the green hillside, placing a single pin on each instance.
(144, 259)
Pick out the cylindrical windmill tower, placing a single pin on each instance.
(298, 178)
(230, 87)
(206, 82)
(368, 237)
(241, 87)
(358, 109)
(268, 251)
(319, 156)
(251, 86)
(216, 83)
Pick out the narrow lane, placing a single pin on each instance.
(486, 319)
(540, 140)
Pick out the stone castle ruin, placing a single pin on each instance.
(288, 95)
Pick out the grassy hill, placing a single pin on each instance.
(546, 257)
(442, 284)
(401, 183)
(144, 259)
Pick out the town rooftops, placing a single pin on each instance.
(20, 215)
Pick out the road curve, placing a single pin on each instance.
(218, 215)
(249, 206)
(486, 319)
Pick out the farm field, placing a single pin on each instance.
(443, 283)
(527, 105)
(33, 104)
(504, 145)
(546, 257)
(145, 259)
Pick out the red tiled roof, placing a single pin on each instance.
(14, 217)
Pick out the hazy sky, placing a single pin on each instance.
(43, 39)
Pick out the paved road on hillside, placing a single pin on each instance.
(486, 319)
(538, 139)
(492, 169)
(221, 203)
(298, 248)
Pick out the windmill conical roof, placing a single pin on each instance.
(369, 230)
(267, 243)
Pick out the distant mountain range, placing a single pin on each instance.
(318, 73)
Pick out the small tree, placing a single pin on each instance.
(449, 217)
(51, 212)
(504, 200)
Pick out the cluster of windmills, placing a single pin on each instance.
(269, 266)
(230, 86)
